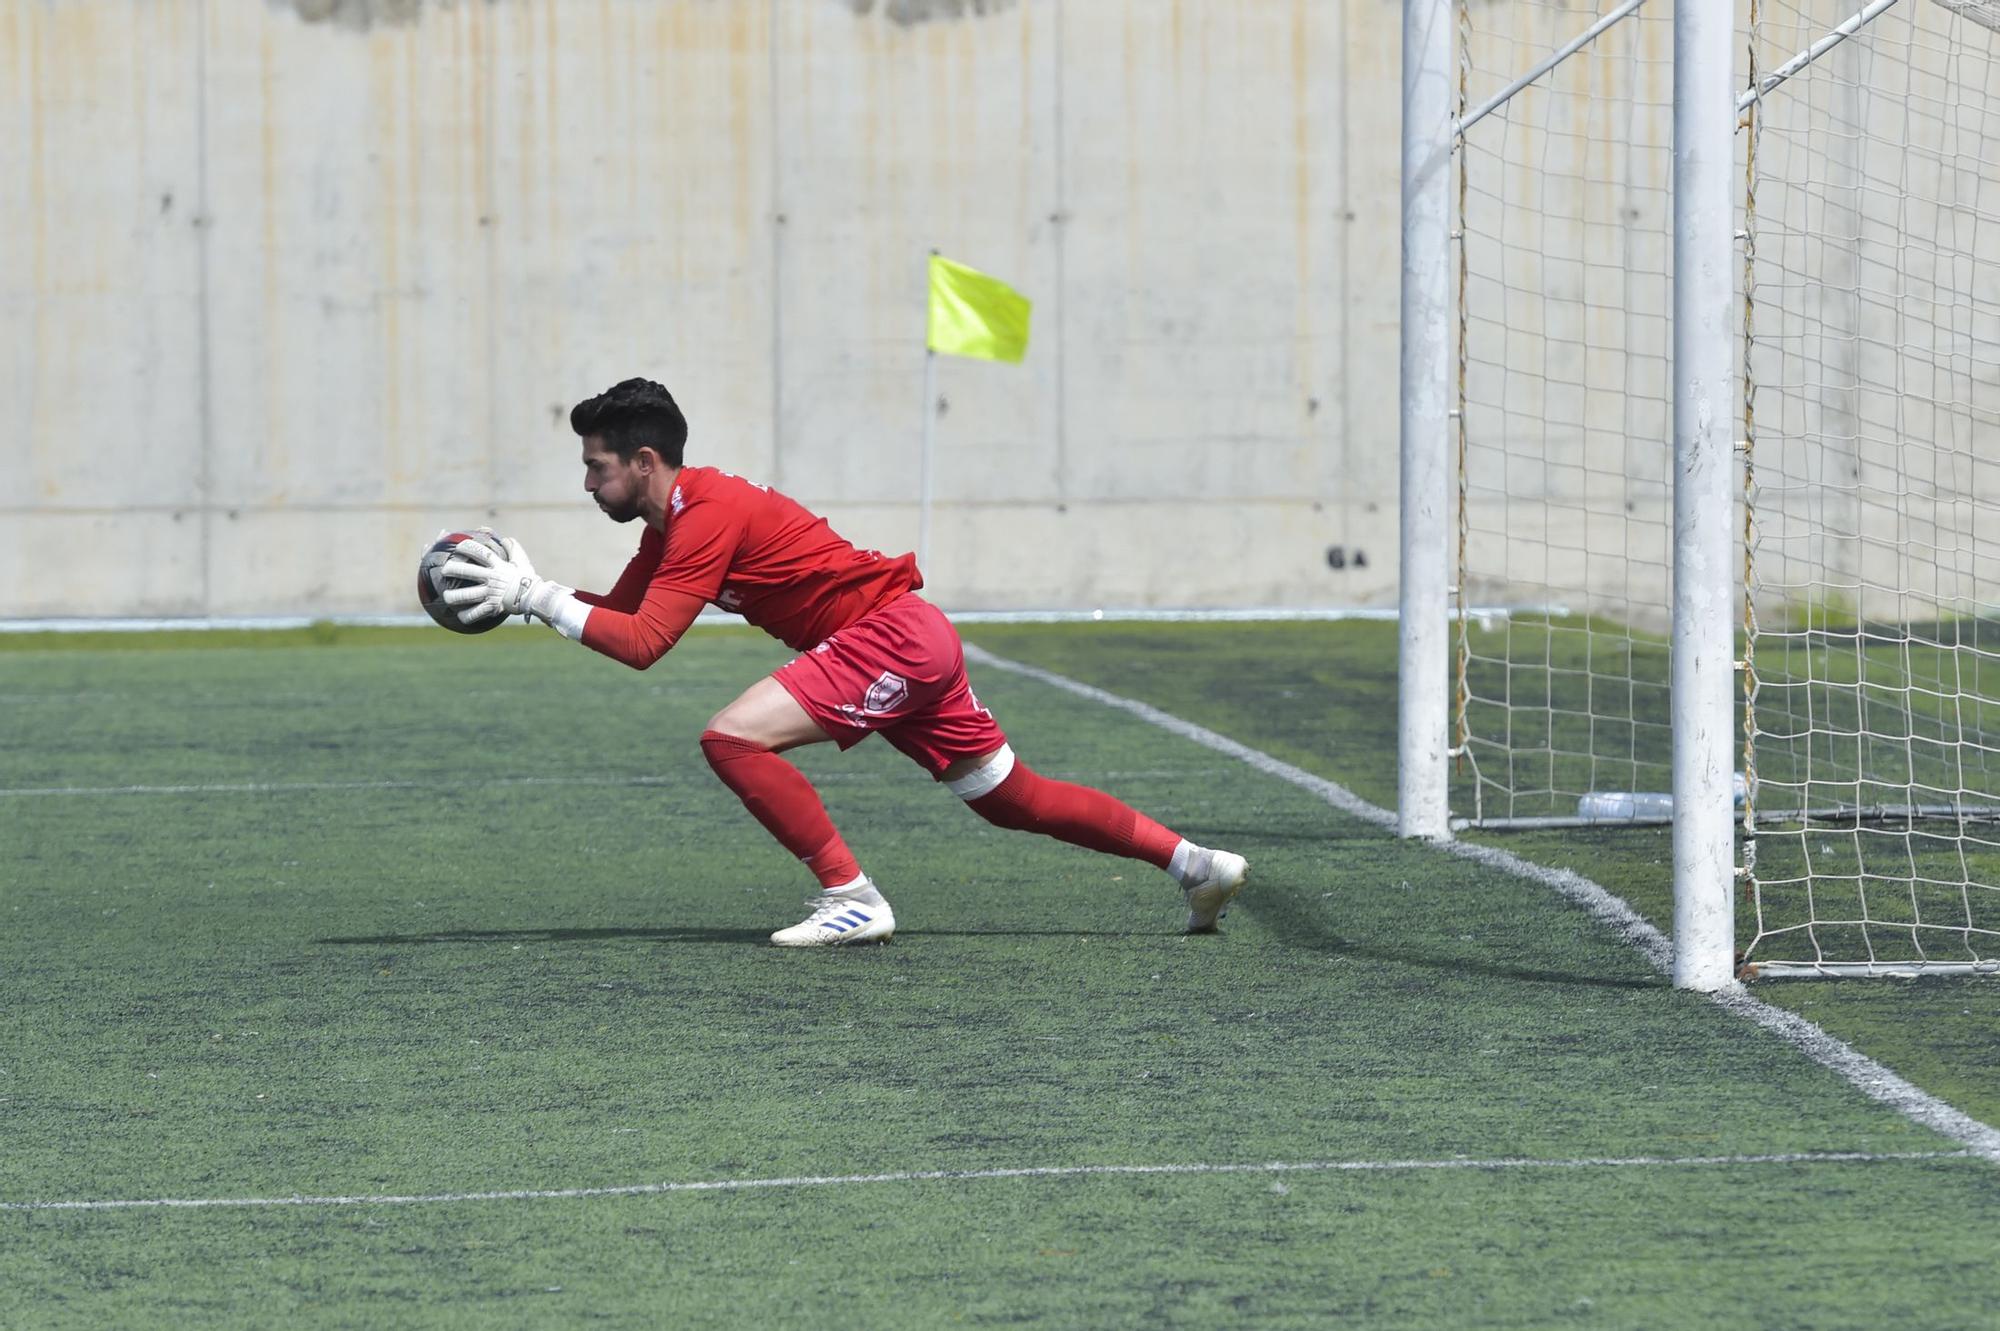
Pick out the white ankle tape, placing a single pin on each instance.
(986, 779)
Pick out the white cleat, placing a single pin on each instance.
(1217, 877)
(849, 915)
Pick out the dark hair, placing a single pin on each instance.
(633, 415)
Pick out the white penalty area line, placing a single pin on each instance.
(1488, 1166)
(1864, 1073)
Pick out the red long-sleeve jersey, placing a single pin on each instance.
(750, 550)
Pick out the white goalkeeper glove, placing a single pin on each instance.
(496, 586)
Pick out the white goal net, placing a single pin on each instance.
(1872, 388)
(1565, 423)
(1869, 227)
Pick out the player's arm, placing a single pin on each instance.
(687, 573)
(630, 589)
(490, 584)
(686, 577)
(646, 634)
(497, 586)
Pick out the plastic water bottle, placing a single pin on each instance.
(1618, 806)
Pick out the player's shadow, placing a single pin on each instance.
(1298, 925)
(1005, 932)
(661, 934)
(681, 934)
(1246, 839)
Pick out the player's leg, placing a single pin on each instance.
(1003, 790)
(742, 744)
(960, 743)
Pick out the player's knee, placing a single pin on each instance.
(988, 790)
(723, 722)
(769, 717)
(719, 747)
(986, 778)
(739, 723)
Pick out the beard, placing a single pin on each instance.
(624, 512)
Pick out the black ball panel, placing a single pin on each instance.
(432, 583)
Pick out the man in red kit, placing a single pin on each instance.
(874, 658)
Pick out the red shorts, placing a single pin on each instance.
(898, 671)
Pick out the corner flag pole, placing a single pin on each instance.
(968, 314)
(930, 425)
(924, 461)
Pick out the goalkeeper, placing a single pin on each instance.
(874, 657)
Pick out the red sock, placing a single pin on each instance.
(779, 796)
(1076, 814)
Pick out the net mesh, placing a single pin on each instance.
(1872, 387)
(1565, 423)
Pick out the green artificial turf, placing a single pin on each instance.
(394, 914)
(1323, 696)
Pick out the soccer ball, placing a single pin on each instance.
(432, 583)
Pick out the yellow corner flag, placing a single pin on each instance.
(976, 315)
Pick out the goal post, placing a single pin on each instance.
(1425, 491)
(1703, 653)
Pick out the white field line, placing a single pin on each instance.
(1860, 1071)
(458, 781)
(981, 1175)
(1871, 1078)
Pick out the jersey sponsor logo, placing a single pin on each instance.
(677, 503)
(886, 693)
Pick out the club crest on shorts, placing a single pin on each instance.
(886, 694)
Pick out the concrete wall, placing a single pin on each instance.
(286, 286)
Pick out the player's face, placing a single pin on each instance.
(612, 481)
